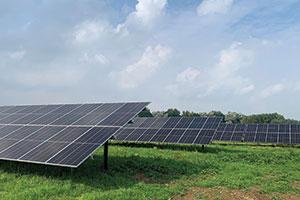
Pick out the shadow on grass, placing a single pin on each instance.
(124, 172)
(215, 147)
(247, 155)
(185, 147)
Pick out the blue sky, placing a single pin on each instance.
(228, 55)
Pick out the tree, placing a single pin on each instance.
(264, 118)
(216, 114)
(159, 114)
(146, 113)
(233, 117)
(230, 117)
(190, 114)
(172, 112)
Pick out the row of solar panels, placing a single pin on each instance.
(110, 114)
(267, 128)
(188, 130)
(203, 130)
(176, 122)
(64, 135)
(259, 133)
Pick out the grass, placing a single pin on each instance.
(139, 171)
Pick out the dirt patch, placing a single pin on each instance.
(140, 177)
(198, 193)
(296, 186)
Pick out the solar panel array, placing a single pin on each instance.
(259, 133)
(64, 135)
(185, 130)
(203, 130)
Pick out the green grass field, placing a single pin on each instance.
(158, 172)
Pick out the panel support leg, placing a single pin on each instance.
(202, 147)
(105, 156)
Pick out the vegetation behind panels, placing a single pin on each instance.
(230, 117)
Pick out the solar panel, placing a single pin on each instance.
(284, 138)
(136, 122)
(250, 132)
(212, 123)
(295, 138)
(219, 132)
(204, 136)
(174, 136)
(159, 122)
(63, 135)
(272, 134)
(191, 130)
(259, 133)
(230, 132)
(295, 128)
(189, 136)
(147, 135)
(238, 133)
(295, 134)
(172, 122)
(185, 130)
(159, 136)
(198, 122)
(136, 134)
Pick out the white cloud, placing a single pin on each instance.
(226, 71)
(17, 55)
(152, 59)
(94, 59)
(146, 13)
(246, 89)
(272, 90)
(224, 75)
(190, 74)
(149, 10)
(214, 7)
(90, 31)
(54, 58)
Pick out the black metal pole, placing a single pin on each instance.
(105, 155)
(202, 147)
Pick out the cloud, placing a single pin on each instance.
(208, 7)
(63, 54)
(278, 88)
(226, 71)
(190, 74)
(94, 59)
(146, 13)
(272, 90)
(224, 75)
(246, 89)
(90, 31)
(149, 10)
(17, 55)
(137, 73)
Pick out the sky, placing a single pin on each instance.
(198, 55)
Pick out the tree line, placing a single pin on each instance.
(230, 117)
